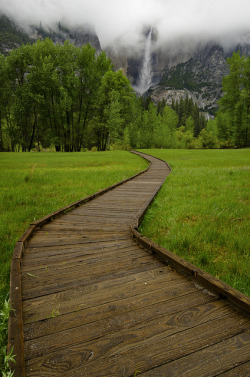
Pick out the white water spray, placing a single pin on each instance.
(145, 75)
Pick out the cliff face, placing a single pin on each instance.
(13, 35)
(189, 69)
(200, 77)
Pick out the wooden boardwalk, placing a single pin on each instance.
(89, 301)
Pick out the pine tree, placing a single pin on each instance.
(235, 104)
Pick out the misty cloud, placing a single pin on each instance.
(123, 19)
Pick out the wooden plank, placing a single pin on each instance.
(157, 300)
(83, 281)
(40, 278)
(40, 251)
(92, 295)
(70, 260)
(211, 361)
(77, 241)
(122, 353)
(51, 237)
(83, 261)
(242, 370)
(123, 323)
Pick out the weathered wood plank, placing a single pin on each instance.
(69, 260)
(29, 280)
(121, 354)
(83, 281)
(105, 292)
(155, 318)
(225, 355)
(157, 300)
(242, 370)
(40, 251)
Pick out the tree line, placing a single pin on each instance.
(233, 117)
(70, 99)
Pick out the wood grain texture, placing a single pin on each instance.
(95, 303)
(210, 361)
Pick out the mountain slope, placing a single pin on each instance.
(13, 35)
(200, 77)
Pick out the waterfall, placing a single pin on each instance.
(145, 75)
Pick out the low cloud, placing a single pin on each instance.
(122, 20)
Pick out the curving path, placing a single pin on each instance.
(90, 301)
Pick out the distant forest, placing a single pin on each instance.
(70, 99)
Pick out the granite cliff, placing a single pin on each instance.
(186, 69)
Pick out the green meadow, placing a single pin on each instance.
(35, 184)
(202, 212)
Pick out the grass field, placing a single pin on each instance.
(202, 212)
(35, 184)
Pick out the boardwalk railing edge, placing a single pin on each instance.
(15, 324)
(201, 277)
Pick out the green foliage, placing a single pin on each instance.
(233, 117)
(5, 359)
(181, 77)
(175, 127)
(185, 138)
(186, 108)
(48, 85)
(201, 213)
(62, 96)
(208, 139)
(114, 108)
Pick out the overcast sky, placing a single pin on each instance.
(123, 19)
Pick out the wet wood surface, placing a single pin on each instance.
(94, 303)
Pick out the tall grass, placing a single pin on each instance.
(202, 212)
(33, 185)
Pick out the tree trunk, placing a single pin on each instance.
(1, 136)
(33, 132)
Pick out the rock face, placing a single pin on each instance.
(184, 69)
(200, 77)
(13, 35)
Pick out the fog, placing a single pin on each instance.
(122, 20)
